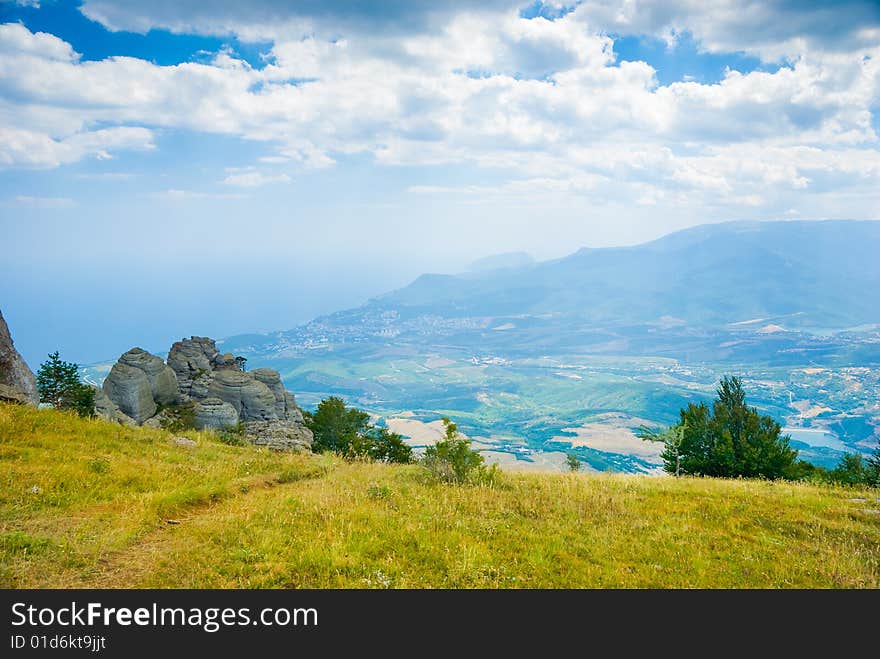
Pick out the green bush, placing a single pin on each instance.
(728, 439)
(59, 385)
(452, 460)
(177, 418)
(233, 435)
(348, 432)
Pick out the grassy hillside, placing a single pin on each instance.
(84, 503)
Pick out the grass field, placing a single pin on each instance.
(85, 503)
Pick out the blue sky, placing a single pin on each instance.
(173, 168)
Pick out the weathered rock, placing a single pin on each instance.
(215, 414)
(220, 392)
(129, 388)
(184, 441)
(280, 435)
(252, 400)
(163, 381)
(161, 420)
(192, 361)
(294, 411)
(17, 382)
(107, 409)
(273, 381)
(226, 361)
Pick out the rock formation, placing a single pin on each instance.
(17, 382)
(129, 388)
(210, 386)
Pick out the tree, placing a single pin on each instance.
(729, 439)
(873, 467)
(852, 469)
(671, 438)
(452, 460)
(387, 446)
(573, 462)
(348, 431)
(59, 385)
(335, 426)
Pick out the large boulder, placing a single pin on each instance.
(107, 409)
(163, 381)
(193, 361)
(280, 435)
(213, 384)
(252, 400)
(129, 388)
(273, 381)
(215, 414)
(17, 382)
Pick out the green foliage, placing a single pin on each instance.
(801, 470)
(728, 440)
(452, 460)
(177, 418)
(671, 438)
(59, 385)
(233, 435)
(573, 462)
(348, 431)
(855, 470)
(387, 446)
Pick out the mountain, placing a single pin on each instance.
(534, 360)
(500, 261)
(818, 274)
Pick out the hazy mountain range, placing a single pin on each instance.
(536, 358)
(827, 273)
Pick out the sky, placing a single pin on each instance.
(172, 168)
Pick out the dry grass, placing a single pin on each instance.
(117, 507)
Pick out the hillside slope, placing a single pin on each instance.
(85, 503)
(711, 274)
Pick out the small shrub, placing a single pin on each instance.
(379, 491)
(233, 435)
(99, 465)
(452, 460)
(573, 462)
(177, 418)
(59, 385)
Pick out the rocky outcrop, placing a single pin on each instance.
(215, 414)
(210, 387)
(163, 381)
(17, 382)
(193, 361)
(129, 388)
(107, 409)
(252, 400)
(272, 380)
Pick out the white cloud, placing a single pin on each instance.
(545, 101)
(254, 179)
(176, 194)
(44, 202)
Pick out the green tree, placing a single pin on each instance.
(335, 426)
(387, 446)
(852, 469)
(873, 468)
(671, 439)
(452, 460)
(573, 462)
(59, 385)
(729, 439)
(348, 431)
